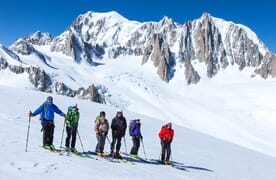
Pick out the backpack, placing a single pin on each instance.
(44, 108)
(131, 124)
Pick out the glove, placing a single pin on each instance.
(31, 114)
(105, 134)
(141, 137)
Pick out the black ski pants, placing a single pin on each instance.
(48, 133)
(136, 145)
(166, 150)
(116, 140)
(71, 136)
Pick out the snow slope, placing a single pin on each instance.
(231, 106)
(205, 157)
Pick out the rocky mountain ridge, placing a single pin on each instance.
(165, 44)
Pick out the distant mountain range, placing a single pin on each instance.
(212, 42)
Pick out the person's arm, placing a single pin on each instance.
(96, 126)
(68, 118)
(172, 135)
(113, 124)
(107, 125)
(161, 134)
(58, 111)
(38, 110)
(132, 128)
(125, 126)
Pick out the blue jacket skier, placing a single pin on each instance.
(47, 110)
(135, 132)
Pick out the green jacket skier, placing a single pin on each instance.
(71, 121)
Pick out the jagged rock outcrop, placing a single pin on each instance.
(39, 79)
(161, 57)
(191, 74)
(268, 67)
(39, 38)
(21, 46)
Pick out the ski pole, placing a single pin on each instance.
(80, 141)
(62, 134)
(143, 147)
(171, 155)
(125, 144)
(108, 140)
(27, 140)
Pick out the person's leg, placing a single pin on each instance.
(68, 137)
(102, 143)
(132, 151)
(112, 144)
(74, 137)
(168, 147)
(44, 135)
(136, 143)
(163, 150)
(51, 133)
(118, 146)
(47, 134)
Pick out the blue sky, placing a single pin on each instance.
(19, 18)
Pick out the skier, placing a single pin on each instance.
(166, 135)
(72, 120)
(135, 132)
(101, 129)
(118, 127)
(47, 110)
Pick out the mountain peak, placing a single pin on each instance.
(39, 38)
(111, 15)
(166, 20)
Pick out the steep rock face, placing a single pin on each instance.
(39, 79)
(208, 44)
(160, 56)
(74, 46)
(240, 49)
(191, 74)
(268, 67)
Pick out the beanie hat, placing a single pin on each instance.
(102, 113)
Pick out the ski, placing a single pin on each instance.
(57, 151)
(179, 167)
(108, 158)
(138, 158)
(77, 153)
(171, 164)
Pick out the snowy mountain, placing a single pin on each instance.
(206, 75)
(225, 126)
(214, 42)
